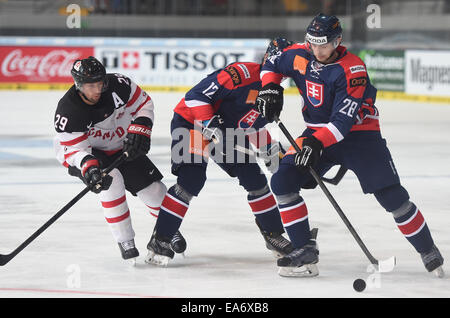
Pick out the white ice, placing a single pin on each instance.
(226, 256)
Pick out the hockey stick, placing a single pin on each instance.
(334, 181)
(5, 258)
(337, 178)
(384, 265)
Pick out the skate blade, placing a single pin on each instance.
(132, 261)
(309, 270)
(439, 272)
(156, 259)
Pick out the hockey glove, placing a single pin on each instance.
(270, 101)
(310, 154)
(92, 175)
(212, 129)
(272, 156)
(137, 141)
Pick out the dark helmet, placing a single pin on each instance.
(88, 70)
(275, 46)
(323, 29)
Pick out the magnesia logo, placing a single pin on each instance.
(234, 73)
(316, 39)
(357, 68)
(314, 93)
(249, 119)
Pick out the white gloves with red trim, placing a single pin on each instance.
(137, 141)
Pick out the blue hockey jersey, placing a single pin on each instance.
(338, 97)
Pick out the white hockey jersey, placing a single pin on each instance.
(103, 126)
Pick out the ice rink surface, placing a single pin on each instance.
(226, 256)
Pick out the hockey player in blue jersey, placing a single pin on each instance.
(342, 128)
(221, 102)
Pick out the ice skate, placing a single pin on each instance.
(159, 251)
(301, 262)
(275, 242)
(433, 261)
(178, 243)
(129, 251)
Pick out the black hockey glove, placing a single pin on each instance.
(92, 175)
(310, 154)
(137, 141)
(212, 129)
(270, 101)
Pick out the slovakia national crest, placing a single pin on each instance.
(314, 93)
(249, 119)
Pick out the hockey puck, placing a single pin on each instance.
(359, 285)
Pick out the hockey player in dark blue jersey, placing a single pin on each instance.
(221, 103)
(342, 128)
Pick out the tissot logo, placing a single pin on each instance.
(110, 59)
(130, 59)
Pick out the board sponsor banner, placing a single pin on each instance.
(386, 68)
(168, 66)
(428, 73)
(39, 64)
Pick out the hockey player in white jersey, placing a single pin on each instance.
(100, 117)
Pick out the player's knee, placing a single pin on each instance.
(192, 178)
(251, 177)
(154, 193)
(284, 181)
(260, 191)
(392, 198)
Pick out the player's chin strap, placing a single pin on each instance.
(383, 266)
(5, 258)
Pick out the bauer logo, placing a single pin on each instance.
(357, 68)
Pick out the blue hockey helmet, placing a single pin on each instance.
(275, 46)
(323, 29)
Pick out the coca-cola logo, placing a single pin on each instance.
(54, 63)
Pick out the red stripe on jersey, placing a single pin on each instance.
(271, 77)
(114, 203)
(413, 225)
(74, 141)
(67, 155)
(141, 105)
(325, 136)
(225, 80)
(173, 206)
(295, 213)
(111, 152)
(263, 203)
(136, 94)
(239, 74)
(119, 218)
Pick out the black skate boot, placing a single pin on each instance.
(159, 251)
(301, 262)
(275, 242)
(128, 249)
(178, 243)
(433, 261)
